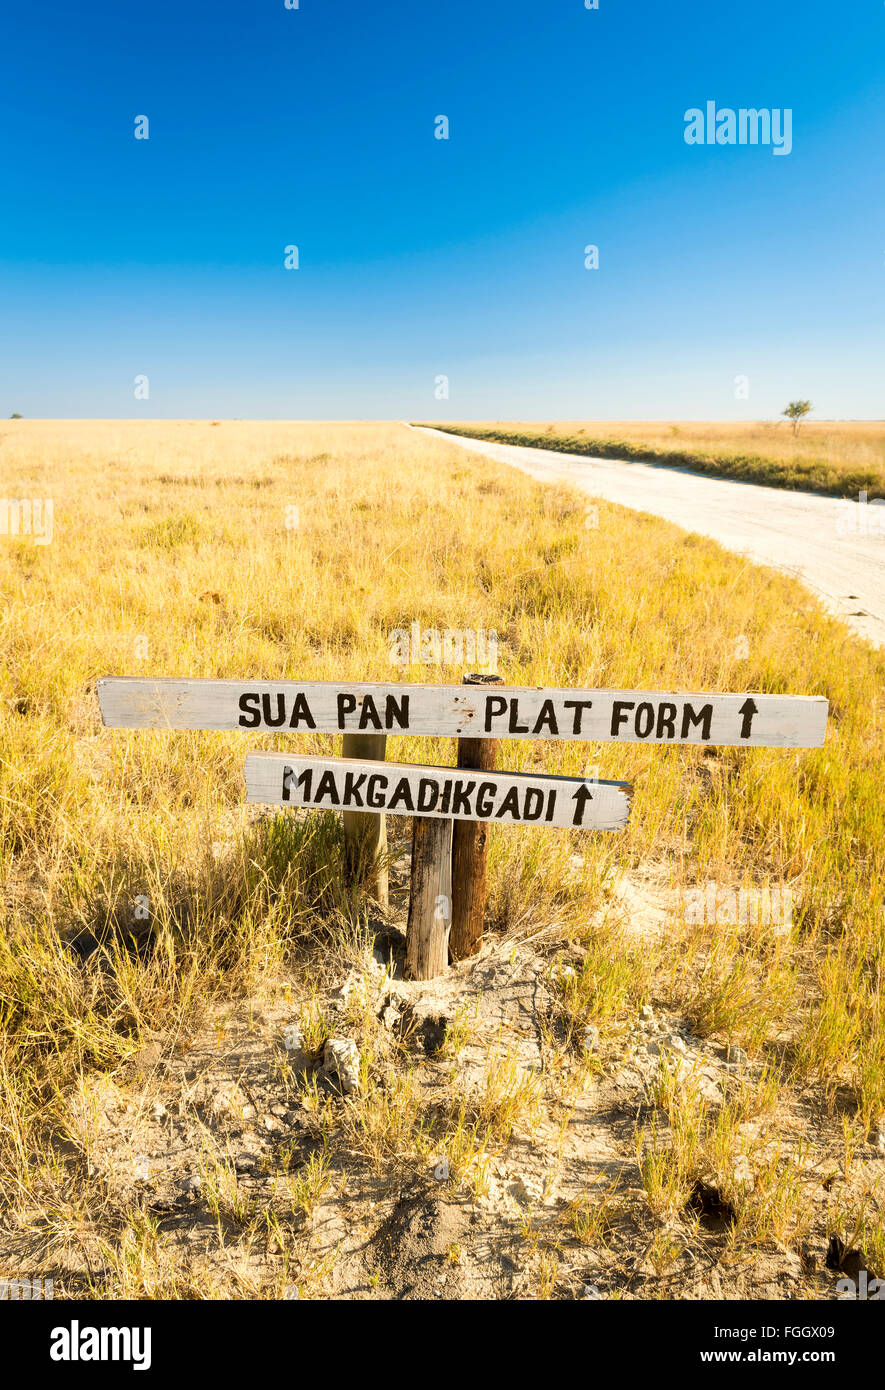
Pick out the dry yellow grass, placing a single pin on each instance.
(171, 555)
(845, 443)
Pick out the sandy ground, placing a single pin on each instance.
(200, 1135)
(823, 541)
(183, 1173)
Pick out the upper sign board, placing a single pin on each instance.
(474, 711)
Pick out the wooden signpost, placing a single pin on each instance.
(430, 898)
(470, 847)
(451, 807)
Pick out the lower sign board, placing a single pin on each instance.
(459, 711)
(409, 789)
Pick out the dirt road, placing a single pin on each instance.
(836, 547)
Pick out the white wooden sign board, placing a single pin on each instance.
(410, 789)
(458, 711)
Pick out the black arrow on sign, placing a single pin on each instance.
(582, 796)
(746, 711)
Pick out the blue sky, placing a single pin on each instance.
(421, 258)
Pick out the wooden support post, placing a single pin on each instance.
(365, 834)
(470, 847)
(430, 899)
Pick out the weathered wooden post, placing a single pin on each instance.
(364, 787)
(365, 833)
(470, 847)
(430, 899)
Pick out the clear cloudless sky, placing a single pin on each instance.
(419, 257)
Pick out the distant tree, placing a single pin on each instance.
(15, 415)
(796, 412)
